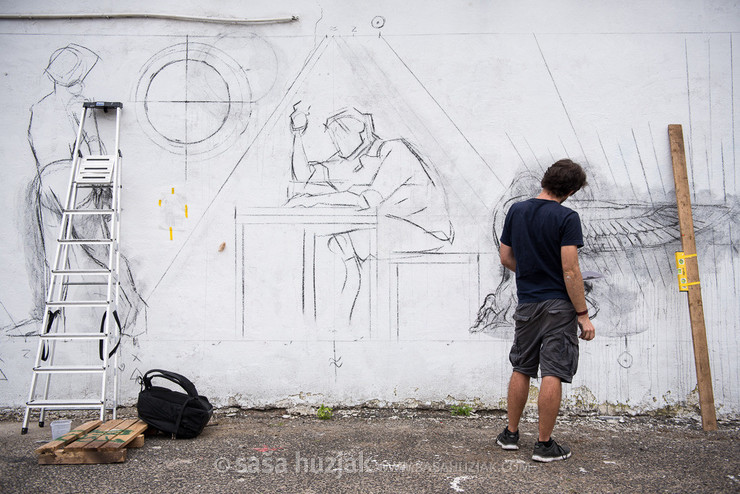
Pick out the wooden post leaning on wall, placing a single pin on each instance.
(696, 308)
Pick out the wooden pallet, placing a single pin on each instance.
(94, 442)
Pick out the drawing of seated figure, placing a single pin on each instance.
(370, 173)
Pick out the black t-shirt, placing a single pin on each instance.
(535, 229)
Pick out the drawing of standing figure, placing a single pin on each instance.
(367, 172)
(52, 145)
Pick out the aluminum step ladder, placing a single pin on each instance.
(83, 283)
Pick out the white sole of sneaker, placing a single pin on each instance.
(548, 459)
(507, 446)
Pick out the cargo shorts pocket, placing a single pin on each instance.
(570, 352)
(521, 317)
(524, 355)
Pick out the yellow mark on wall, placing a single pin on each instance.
(172, 208)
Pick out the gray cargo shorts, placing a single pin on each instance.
(546, 336)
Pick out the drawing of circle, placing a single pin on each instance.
(193, 99)
(378, 21)
(625, 360)
(208, 100)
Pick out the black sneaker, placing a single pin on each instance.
(508, 439)
(553, 453)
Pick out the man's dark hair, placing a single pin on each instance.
(563, 177)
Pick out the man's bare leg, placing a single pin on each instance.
(517, 399)
(548, 405)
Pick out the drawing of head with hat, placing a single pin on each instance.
(70, 65)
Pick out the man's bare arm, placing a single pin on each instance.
(507, 257)
(574, 285)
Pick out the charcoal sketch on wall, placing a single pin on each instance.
(319, 202)
(372, 195)
(193, 100)
(58, 114)
(627, 241)
(367, 172)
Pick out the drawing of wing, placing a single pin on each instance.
(615, 227)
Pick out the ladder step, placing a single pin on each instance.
(80, 404)
(80, 272)
(84, 241)
(83, 283)
(73, 336)
(88, 211)
(78, 303)
(66, 369)
(83, 185)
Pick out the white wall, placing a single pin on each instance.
(486, 92)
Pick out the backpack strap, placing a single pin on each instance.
(174, 377)
(102, 330)
(45, 350)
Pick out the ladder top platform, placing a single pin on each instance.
(102, 104)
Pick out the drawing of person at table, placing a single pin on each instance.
(367, 172)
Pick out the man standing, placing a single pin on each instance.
(540, 242)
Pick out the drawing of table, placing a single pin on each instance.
(312, 223)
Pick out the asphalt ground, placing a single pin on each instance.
(385, 450)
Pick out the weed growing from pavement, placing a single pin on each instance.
(324, 413)
(462, 410)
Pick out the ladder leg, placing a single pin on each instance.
(27, 415)
(35, 376)
(102, 392)
(104, 378)
(115, 377)
(24, 427)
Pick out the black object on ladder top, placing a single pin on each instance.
(104, 105)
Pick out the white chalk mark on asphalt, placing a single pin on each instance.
(455, 484)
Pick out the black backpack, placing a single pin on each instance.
(182, 415)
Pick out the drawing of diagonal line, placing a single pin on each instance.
(454, 124)
(305, 69)
(560, 97)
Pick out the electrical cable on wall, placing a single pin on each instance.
(219, 20)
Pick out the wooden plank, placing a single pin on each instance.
(68, 437)
(136, 443)
(696, 307)
(92, 435)
(82, 457)
(123, 439)
(103, 439)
